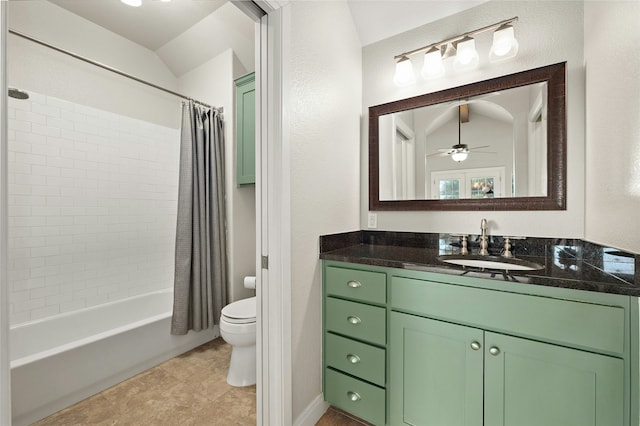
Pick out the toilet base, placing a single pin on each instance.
(242, 368)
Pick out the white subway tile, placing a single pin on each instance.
(46, 130)
(30, 117)
(19, 125)
(45, 110)
(44, 312)
(30, 158)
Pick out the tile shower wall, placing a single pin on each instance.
(92, 206)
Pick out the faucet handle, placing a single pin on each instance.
(463, 249)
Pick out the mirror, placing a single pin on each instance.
(499, 144)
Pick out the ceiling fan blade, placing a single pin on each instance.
(484, 152)
(479, 147)
(440, 154)
(446, 150)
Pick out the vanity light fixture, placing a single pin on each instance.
(404, 72)
(467, 57)
(462, 48)
(134, 3)
(505, 46)
(433, 67)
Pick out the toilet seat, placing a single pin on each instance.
(240, 312)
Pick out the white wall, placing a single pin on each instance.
(34, 67)
(548, 33)
(92, 206)
(612, 37)
(212, 82)
(322, 77)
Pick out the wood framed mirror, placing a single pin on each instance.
(498, 144)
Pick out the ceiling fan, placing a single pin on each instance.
(460, 151)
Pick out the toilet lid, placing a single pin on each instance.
(240, 312)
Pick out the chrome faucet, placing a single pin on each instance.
(484, 245)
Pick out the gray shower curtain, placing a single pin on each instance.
(200, 258)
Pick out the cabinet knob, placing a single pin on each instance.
(493, 350)
(354, 283)
(354, 396)
(475, 345)
(354, 319)
(353, 359)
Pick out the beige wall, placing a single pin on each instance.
(548, 33)
(611, 38)
(322, 77)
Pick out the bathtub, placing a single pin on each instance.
(60, 360)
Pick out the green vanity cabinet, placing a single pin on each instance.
(465, 356)
(355, 338)
(469, 351)
(245, 87)
(436, 376)
(442, 372)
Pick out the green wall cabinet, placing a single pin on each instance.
(246, 129)
(417, 348)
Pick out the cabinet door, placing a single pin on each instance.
(436, 373)
(529, 383)
(246, 129)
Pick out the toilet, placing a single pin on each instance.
(238, 328)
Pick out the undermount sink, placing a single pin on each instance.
(490, 262)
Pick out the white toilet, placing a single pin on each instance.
(238, 328)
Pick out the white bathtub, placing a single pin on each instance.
(63, 359)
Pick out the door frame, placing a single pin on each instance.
(273, 287)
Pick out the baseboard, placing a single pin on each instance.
(313, 412)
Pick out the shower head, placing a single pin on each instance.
(17, 93)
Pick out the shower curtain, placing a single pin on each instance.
(200, 258)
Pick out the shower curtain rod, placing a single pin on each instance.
(109, 68)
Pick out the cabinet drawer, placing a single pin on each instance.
(583, 325)
(363, 322)
(355, 396)
(354, 284)
(358, 359)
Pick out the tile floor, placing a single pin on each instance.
(190, 389)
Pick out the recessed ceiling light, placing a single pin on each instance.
(134, 3)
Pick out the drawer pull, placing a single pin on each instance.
(354, 396)
(353, 359)
(354, 283)
(494, 351)
(475, 345)
(354, 319)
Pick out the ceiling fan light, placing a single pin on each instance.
(505, 46)
(466, 55)
(459, 156)
(134, 3)
(404, 72)
(433, 67)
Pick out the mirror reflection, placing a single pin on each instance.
(493, 145)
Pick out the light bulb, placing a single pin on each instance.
(459, 156)
(466, 55)
(432, 64)
(404, 72)
(134, 3)
(505, 46)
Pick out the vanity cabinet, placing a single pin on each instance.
(442, 372)
(245, 88)
(355, 338)
(437, 349)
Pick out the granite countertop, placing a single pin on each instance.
(568, 263)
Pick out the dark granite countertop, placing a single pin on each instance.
(568, 263)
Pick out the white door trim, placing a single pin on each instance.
(274, 400)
